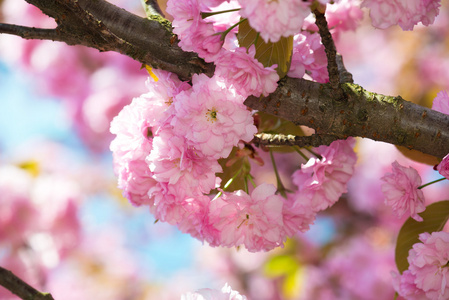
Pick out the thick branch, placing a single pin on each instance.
(20, 288)
(365, 114)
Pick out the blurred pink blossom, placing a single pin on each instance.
(441, 103)
(443, 167)
(226, 293)
(405, 13)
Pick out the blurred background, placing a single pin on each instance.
(66, 229)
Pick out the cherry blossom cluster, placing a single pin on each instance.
(166, 151)
(169, 140)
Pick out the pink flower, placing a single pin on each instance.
(135, 180)
(441, 103)
(273, 19)
(298, 214)
(429, 264)
(212, 117)
(344, 15)
(133, 132)
(246, 73)
(406, 13)
(402, 193)
(226, 293)
(406, 287)
(194, 33)
(177, 205)
(172, 160)
(309, 57)
(254, 221)
(323, 180)
(443, 167)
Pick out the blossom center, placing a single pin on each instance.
(169, 101)
(244, 221)
(211, 115)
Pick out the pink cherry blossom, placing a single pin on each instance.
(171, 160)
(298, 213)
(405, 13)
(406, 287)
(429, 264)
(274, 19)
(443, 167)
(402, 193)
(133, 132)
(226, 293)
(180, 205)
(254, 221)
(194, 33)
(246, 73)
(212, 117)
(309, 57)
(441, 103)
(135, 180)
(344, 15)
(325, 179)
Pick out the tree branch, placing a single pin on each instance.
(365, 114)
(20, 288)
(30, 32)
(106, 27)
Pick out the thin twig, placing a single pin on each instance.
(31, 32)
(331, 53)
(152, 8)
(345, 76)
(20, 288)
(315, 140)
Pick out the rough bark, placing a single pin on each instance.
(101, 25)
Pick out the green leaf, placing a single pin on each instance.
(239, 163)
(279, 53)
(435, 217)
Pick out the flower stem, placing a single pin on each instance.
(250, 177)
(297, 149)
(280, 186)
(432, 182)
(228, 183)
(224, 33)
(213, 13)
